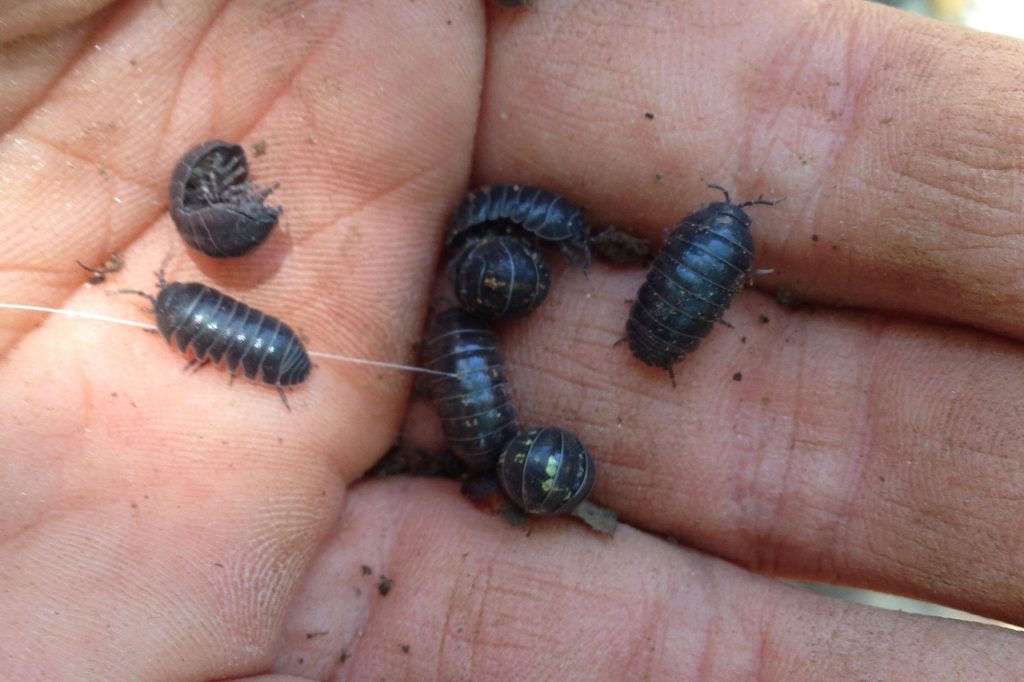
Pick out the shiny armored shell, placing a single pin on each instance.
(215, 210)
(499, 277)
(704, 262)
(213, 326)
(475, 406)
(546, 471)
(538, 212)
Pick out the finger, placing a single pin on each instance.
(837, 447)
(902, 173)
(193, 505)
(472, 598)
(92, 137)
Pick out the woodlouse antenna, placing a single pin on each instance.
(759, 200)
(137, 292)
(84, 315)
(762, 200)
(722, 190)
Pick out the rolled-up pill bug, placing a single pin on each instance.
(548, 471)
(213, 326)
(499, 276)
(539, 212)
(475, 406)
(215, 209)
(704, 262)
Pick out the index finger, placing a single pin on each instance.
(898, 142)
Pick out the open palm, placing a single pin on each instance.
(166, 526)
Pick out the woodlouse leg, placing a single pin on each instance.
(197, 364)
(671, 375)
(622, 340)
(727, 324)
(284, 398)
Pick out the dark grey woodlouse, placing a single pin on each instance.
(213, 326)
(538, 212)
(546, 471)
(499, 277)
(704, 262)
(475, 406)
(215, 209)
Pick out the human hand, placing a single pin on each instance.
(165, 526)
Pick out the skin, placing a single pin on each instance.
(161, 526)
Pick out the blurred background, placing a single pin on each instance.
(994, 16)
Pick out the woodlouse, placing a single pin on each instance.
(499, 277)
(704, 262)
(475, 406)
(539, 212)
(546, 471)
(215, 209)
(213, 326)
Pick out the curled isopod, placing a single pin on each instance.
(475, 405)
(212, 326)
(704, 262)
(499, 276)
(548, 471)
(216, 210)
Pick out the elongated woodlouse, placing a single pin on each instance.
(499, 276)
(475, 406)
(704, 262)
(212, 326)
(538, 212)
(215, 210)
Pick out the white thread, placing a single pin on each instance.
(151, 327)
(79, 314)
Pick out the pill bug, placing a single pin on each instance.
(499, 277)
(539, 212)
(547, 471)
(212, 326)
(215, 209)
(475, 406)
(703, 263)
